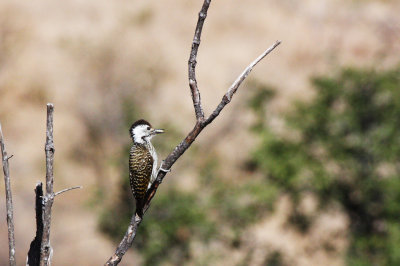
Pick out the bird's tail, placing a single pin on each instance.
(139, 207)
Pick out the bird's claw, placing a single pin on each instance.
(162, 169)
(165, 170)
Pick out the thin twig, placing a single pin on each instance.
(235, 85)
(45, 249)
(65, 190)
(130, 234)
(9, 204)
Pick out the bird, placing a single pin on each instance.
(142, 161)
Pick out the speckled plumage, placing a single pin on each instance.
(141, 164)
(142, 161)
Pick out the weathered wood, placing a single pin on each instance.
(9, 204)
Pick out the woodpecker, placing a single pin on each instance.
(142, 161)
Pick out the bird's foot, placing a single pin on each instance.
(162, 169)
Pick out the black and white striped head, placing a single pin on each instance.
(141, 131)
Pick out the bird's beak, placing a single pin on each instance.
(157, 131)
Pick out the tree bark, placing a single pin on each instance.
(48, 198)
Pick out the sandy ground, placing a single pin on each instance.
(84, 56)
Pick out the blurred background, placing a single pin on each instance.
(302, 168)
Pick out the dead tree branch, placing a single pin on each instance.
(9, 204)
(201, 123)
(192, 62)
(40, 250)
(48, 198)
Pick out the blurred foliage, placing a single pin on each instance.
(173, 219)
(236, 205)
(177, 218)
(343, 147)
(115, 219)
(275, 259)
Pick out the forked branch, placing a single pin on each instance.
(40, 250)
(201, 123)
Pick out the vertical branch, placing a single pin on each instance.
(45, 249)
(192, 62)
(9, 204)
(49, 149)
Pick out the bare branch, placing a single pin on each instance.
(130, 234)
(40, 250)
(192, 62)
(235, 85)
(49, 149)
(126, 242)
(65, 190)
(47, 201)
(9, 204)
(198, 110)
(199, 126)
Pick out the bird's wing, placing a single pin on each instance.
(140, 169)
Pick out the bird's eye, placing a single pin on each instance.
(148, 128)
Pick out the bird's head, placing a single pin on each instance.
(141, 131)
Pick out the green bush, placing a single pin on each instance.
(236, 204)
(174, 217)
(344, 147)
(177, 218)
(173, 220)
